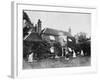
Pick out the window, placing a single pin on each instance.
(52, 37)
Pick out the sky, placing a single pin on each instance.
(78, 22)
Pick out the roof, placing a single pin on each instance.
(55, 32)
(34, 36)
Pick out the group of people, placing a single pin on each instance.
(66, 53)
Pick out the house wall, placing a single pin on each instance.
(47, 37)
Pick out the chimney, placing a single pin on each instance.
(69, 30)
(39, 25)
(36, 28)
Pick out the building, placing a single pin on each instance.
(33, 37)
(55, 35)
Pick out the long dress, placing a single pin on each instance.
(30, 58)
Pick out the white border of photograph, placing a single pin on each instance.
(17, 41)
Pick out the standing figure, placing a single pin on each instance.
(30, 57)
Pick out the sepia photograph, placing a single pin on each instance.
(56, 39)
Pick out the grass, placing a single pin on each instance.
(58, 63)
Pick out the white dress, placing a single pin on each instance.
(30, 58)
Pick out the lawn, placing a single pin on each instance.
(58, 63)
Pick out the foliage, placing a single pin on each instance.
(27, 24)
(81, 37)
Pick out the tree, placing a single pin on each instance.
(81, 37)
(26, 24)
(26, 17)
(83, 43)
